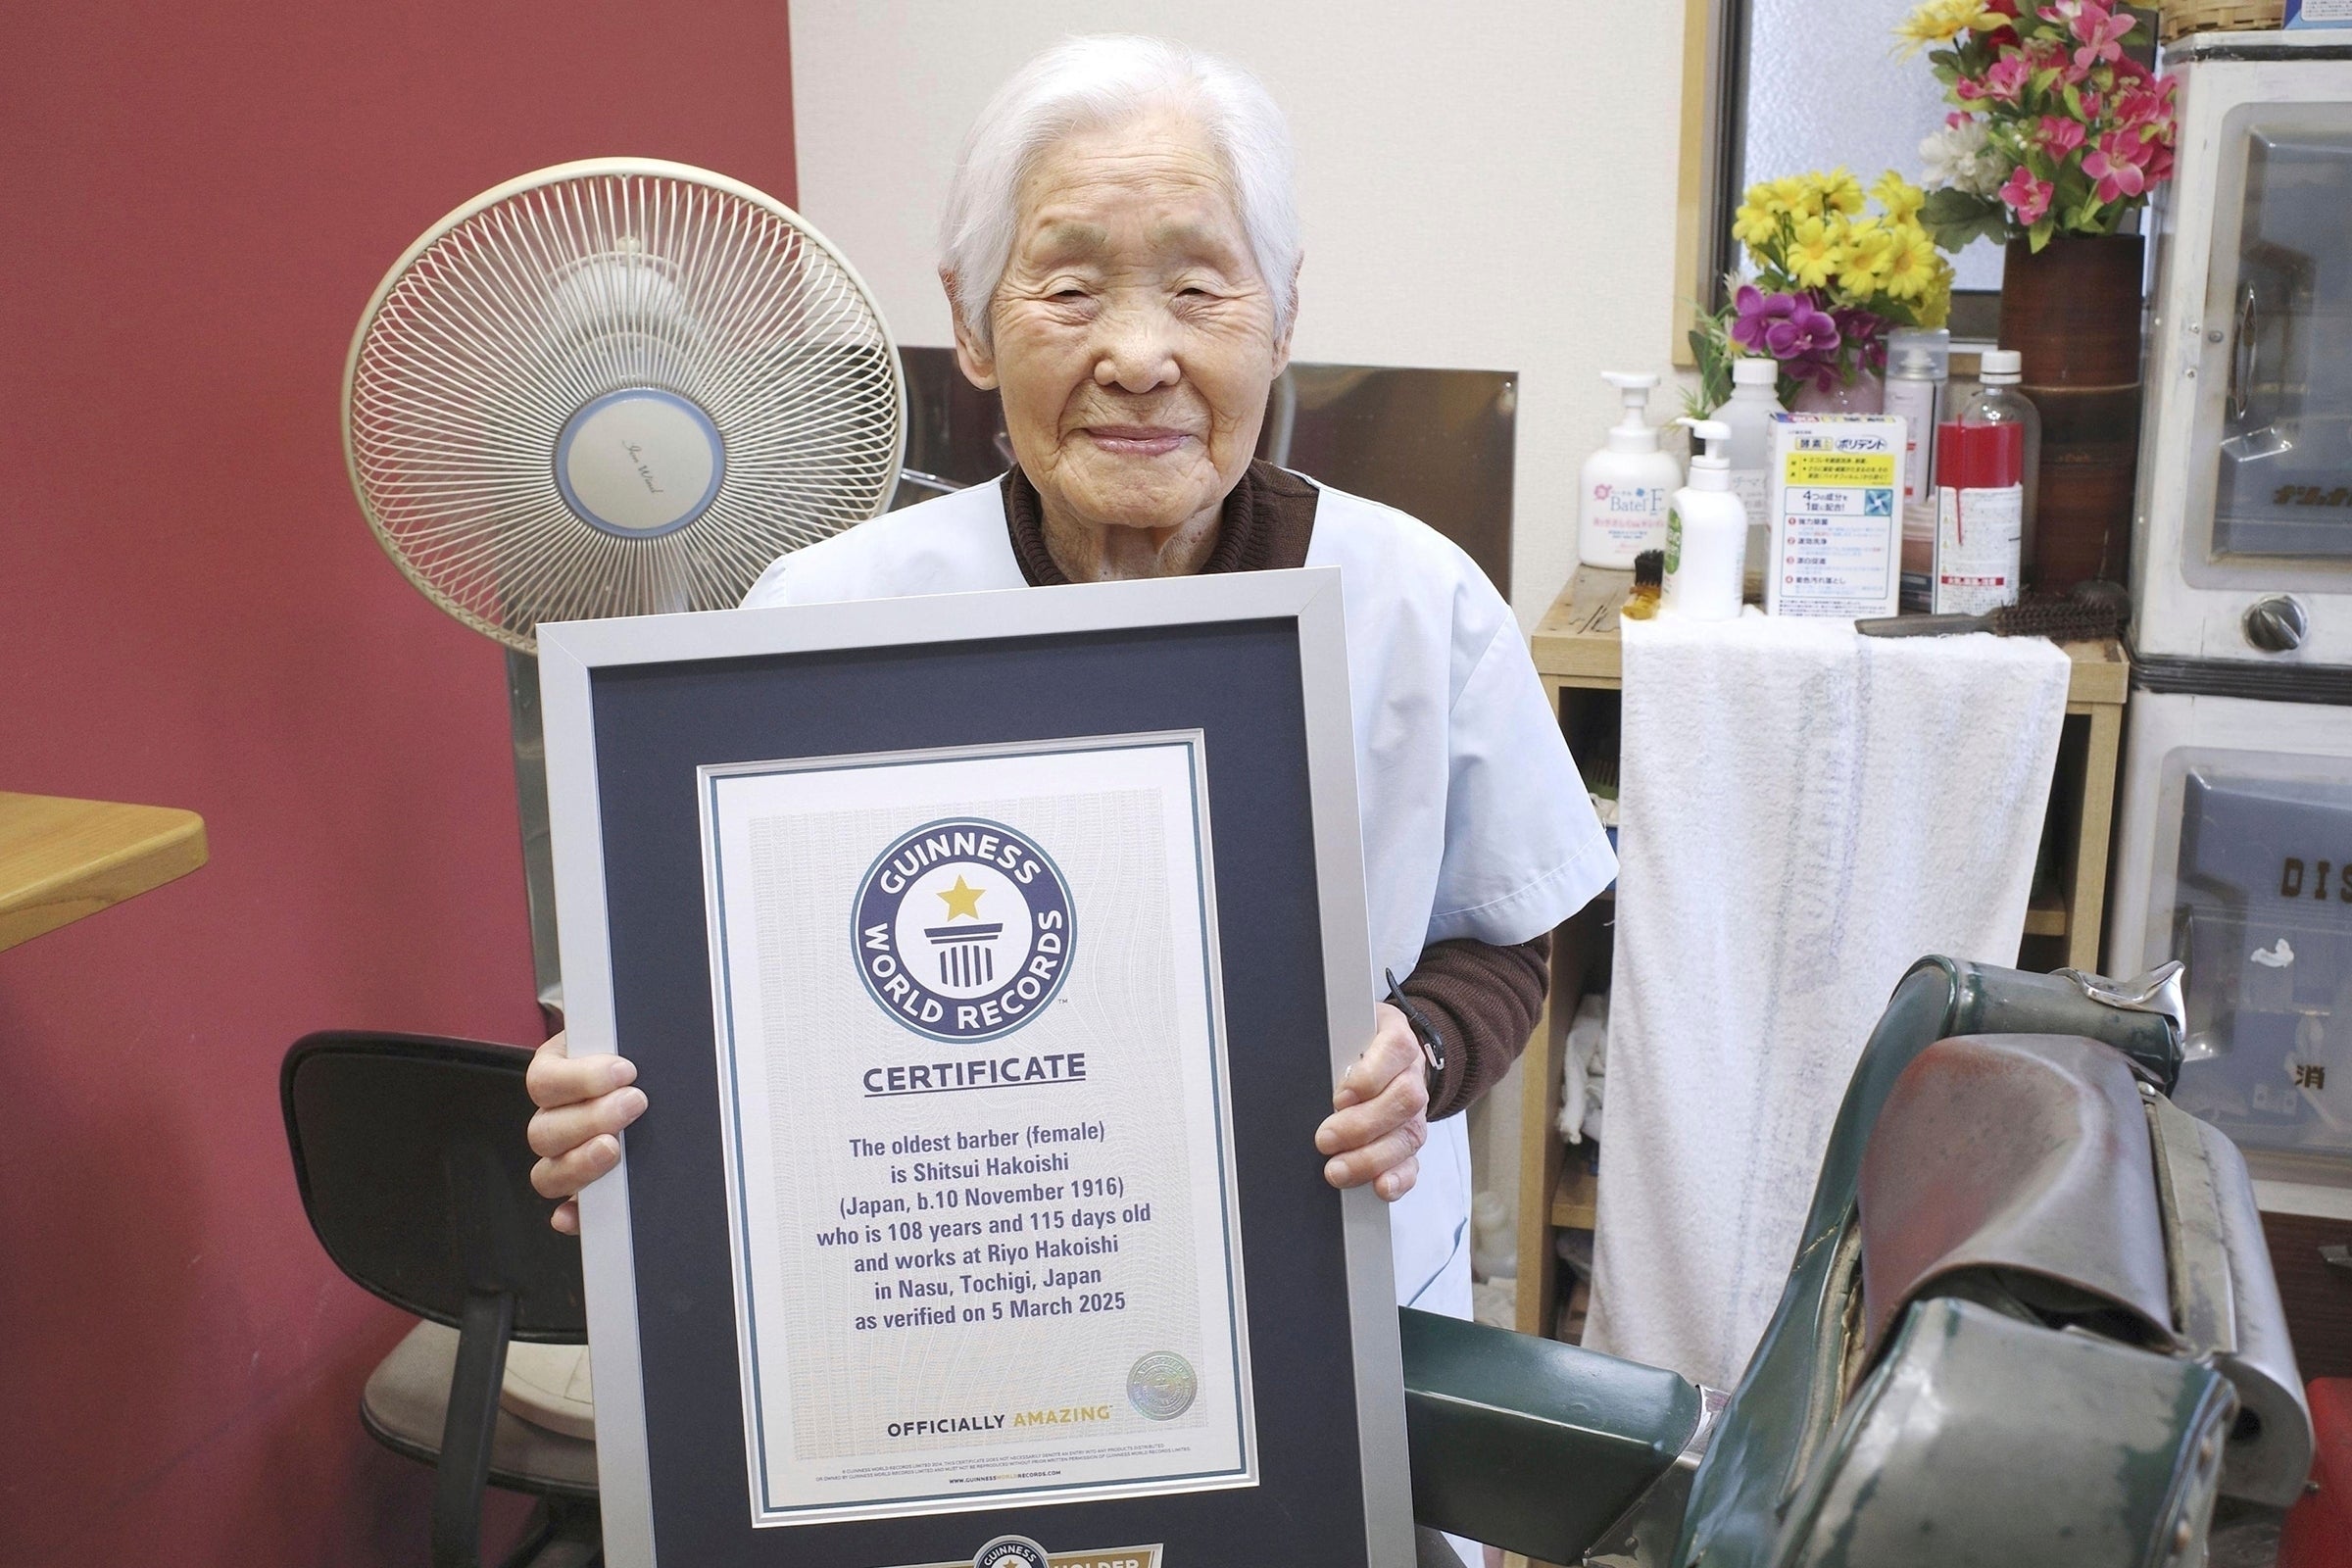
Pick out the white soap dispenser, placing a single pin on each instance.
(1706, 532)
(1625, 483)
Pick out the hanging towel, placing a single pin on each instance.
(1805, 812)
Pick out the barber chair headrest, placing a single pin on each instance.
(2042, 1177)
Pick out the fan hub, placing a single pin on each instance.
(639, 462)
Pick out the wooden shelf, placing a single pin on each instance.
(1574, 1198)
(2045, 915)
(1576, 643)
(1577, 655)
(60, 858)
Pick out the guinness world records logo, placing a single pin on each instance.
(1010, 1551)
(962, 929)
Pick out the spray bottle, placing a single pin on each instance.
(1625, 483)
(1706, 532)
(1747, 413)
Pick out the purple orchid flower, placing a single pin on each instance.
(1806, 330)
(1787, 326)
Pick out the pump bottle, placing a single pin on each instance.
(1747, 414)
(1625, 483)
(1706, 532)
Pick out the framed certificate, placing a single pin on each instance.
(987, 959)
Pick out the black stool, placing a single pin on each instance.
(415, 1169)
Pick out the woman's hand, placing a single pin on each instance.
(1380, 1112)
(575, 1132)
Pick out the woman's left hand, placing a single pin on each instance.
(1380, 1112)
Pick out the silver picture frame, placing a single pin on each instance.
(572, 654)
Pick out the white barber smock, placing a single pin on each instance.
(1475, 822)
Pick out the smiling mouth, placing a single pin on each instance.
(1136, 440)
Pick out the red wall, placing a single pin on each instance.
(199, 199)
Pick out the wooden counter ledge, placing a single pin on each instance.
(60, 858)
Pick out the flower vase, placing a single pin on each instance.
(2073, 312)
(1865, 393)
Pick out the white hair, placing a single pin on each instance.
(1086, 84)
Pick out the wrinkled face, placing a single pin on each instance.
(1134, 338)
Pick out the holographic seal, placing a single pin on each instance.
(1162, 1386)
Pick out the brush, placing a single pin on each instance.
(2092, 612)
(1649, 579)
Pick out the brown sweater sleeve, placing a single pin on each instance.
(1484, 1000)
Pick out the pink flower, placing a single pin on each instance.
(2101, 33)
(2028, 196)
(2148, 107)
(2116, 164)
(2059, 136)
(2007, 77)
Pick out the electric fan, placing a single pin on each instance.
(613, 387)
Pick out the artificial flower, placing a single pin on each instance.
(1840, 191)
(1960, 156)
(1869, 252)
(1796, 195)
(2101, 34)
(1898, 196)
(1912, 262)
(1805, 330)
(1815, 250)
(2027, 195)
(2058, 136)
(1939, 22)
(1754, 223)
(2116, 163)
(2044, 91)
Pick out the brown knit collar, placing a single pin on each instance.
(1265, 525)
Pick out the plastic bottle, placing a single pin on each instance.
(1747, 414)
(1911, 398)
(1625, 483)
(1706, 532)
(1979, 516)
(1996, 400)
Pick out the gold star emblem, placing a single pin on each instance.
(963, 900)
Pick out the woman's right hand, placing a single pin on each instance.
(583, 1105)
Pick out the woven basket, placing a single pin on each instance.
(2182, 17)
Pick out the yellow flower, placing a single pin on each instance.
(1901, 199)
(1755, 225)
(1862, 264)
(1937, 22)
(1798, 195)
(1840, 191)
(1934, 307)
(1911, 264)
(1816, 253)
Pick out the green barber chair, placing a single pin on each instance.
(2030, 1321)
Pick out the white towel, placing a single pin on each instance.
(1806, 813)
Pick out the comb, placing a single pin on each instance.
(2092, 612)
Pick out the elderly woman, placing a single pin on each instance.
(1120, 250)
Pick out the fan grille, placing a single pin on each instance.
(522, 309)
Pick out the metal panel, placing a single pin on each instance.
(1436, 444)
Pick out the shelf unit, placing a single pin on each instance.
(1576, 652)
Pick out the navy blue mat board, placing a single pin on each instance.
(1238, 682)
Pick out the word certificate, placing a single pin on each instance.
(971, 1064)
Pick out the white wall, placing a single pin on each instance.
(1485, 186)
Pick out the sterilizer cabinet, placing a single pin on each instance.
(2242, 538)
(2235, 854)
